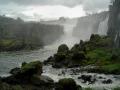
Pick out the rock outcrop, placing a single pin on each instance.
(114, 23)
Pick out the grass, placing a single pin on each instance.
(112, 68)
(117, 88)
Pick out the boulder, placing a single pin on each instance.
(15, 71)
(63, 48)
(41, 80)
(67, 84)
(109, 81)
(87, 78)
(32, 68)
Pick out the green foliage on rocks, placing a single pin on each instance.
(67, 84)
(32, 68)
(63, 48)
(97, 51)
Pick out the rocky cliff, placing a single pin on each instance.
(95, 23)
(16, 34)
(114, 22)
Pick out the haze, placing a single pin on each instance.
(36, 10)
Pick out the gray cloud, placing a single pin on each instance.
(88, 5)
(19, 5)
(43, 2)
(95, 5)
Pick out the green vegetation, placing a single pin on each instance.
(15, 34)
(88, 89)
(67, 84)
(117, 88)
(98, 52)
(32, 68)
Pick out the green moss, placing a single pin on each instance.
(10, 45)
(17, 87)
(117, 88)
(63, 48)
(88, 89)
(67, 84)
(112, 68)
(32, 68)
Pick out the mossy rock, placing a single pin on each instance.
(59, 57)
(78, 56)
(75, 48)
(67, 84)
(63, 48)
(32, 68)
(95, 37)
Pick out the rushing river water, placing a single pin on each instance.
(9, 60)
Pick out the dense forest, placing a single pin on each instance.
(15, 34)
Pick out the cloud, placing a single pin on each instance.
(37, 9)
(43, 2)
(88, 5)
(95, 5)
(41, 12)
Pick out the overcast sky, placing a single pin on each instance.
(51, 9)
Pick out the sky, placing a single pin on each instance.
(31, 10)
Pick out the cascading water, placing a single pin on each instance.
(68, 37)
(103, 27)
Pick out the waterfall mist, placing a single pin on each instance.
(68, 37)
(81, 28)
(103, 27)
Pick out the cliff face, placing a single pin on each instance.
(91, 24)
(114, 22)
(18, 34)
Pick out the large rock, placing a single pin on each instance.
(67, 84)
(24, 74)
(63, 48)
(32, 68)
(42, 80)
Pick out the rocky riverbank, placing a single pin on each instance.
(28, 77)
(97, 52)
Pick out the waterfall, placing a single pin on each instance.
(103, 27)
(67, 38)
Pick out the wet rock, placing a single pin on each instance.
(24, 74)
(87, 78)
(48, 61)
(32, 68)
(109, 81)
(15, 71)
(41, 80)
(100, 77)
(57, 65)
(63, 48)
(67, 84)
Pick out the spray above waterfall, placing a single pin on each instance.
(81, 28)
(67, 37)
(103, 27)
